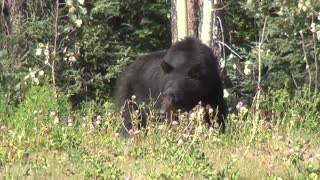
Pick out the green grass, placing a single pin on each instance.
(85, 144)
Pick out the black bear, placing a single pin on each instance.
(177, 78)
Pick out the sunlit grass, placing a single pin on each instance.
(86, 144)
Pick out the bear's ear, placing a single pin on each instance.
(166, 67)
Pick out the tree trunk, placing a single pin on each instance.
(202, 19)
(184, 19)
(217, 29)
(11, 14)
(192, 9)
(179, 20)
(174, 30)
(206, 22)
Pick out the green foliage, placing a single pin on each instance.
(105, 46)
(289, 52)
(101, 171)
(4, 103)
(82, 47)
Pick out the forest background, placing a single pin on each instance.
(59, 61)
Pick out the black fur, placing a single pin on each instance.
(181, 76)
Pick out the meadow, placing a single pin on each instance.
(44, 139)
(59, 61)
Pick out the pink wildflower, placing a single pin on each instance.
(4, 128)
(175, 123)
(180, 142)
(56, 120)
(239, 105)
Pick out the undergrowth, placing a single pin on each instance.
(44, 138)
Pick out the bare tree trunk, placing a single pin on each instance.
(192, 18)
(217, 29)
(203, 19)
(174, 29)
(11, 19)
(206, 22)
(184, 20)
(11, 14)
(314, 39)
(4, 15)
(179, 20)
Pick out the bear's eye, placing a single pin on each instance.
(166, 67)
(194, 75)
(196, 72)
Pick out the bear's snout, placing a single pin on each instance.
(167, 105)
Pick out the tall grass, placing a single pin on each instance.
(44, 139)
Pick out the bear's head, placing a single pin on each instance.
(190, 74)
